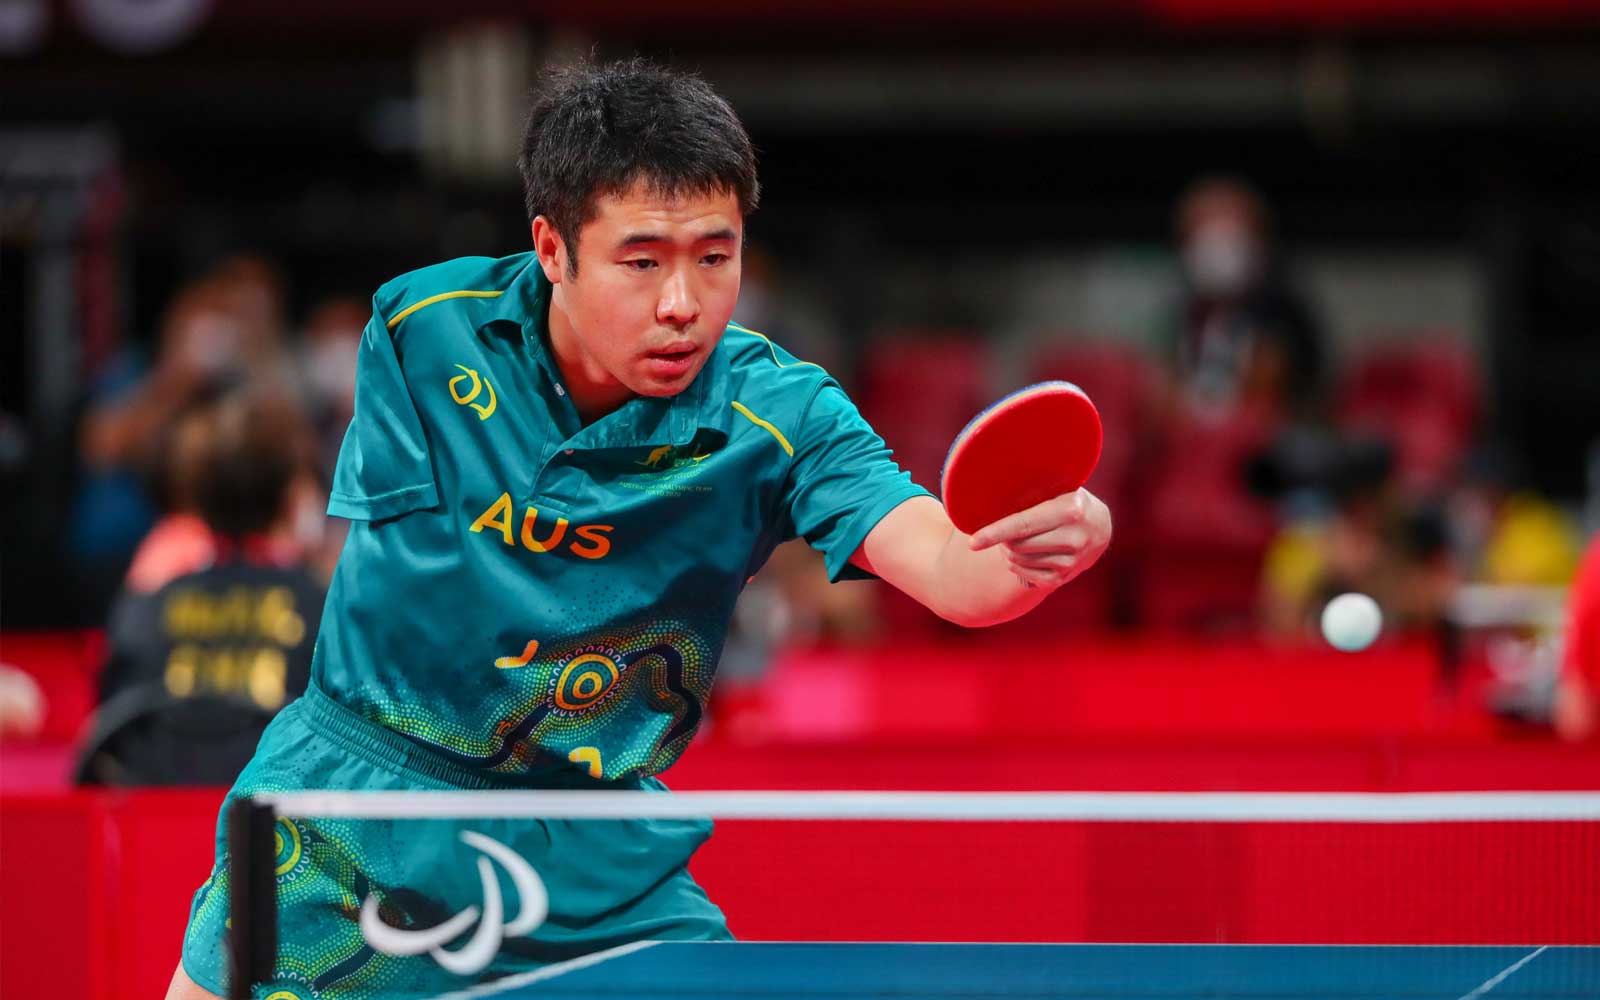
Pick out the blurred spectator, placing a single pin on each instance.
(1510, 539)
(328, 373)
(1349, 530)
(1532, 543)
(1577, 709)
(181, 542)
(328, 370)
(216, 332)
(1244, 337)
(253, 289)
(129, 413)
(1247, 363)
(197, 668)
(1507, 534)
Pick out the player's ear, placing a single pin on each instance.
(550, 248)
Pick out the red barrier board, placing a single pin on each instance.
(1309, 883)
(969, 689)
(55, 923)
(97, 888)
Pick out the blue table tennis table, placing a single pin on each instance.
(1081, 971)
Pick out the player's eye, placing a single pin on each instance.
(639, 264)
(714, 259)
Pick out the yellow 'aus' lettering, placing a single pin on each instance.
(595, 535)
(529, 518)
(591, 542)
(497, 516)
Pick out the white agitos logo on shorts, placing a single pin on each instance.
(481, 948)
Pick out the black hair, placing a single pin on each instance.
(596, 130)
(257, 442)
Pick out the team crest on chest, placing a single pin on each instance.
(670, 470)
(665, 457)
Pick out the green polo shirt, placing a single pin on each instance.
(520, 592)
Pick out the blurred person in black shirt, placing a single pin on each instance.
(198, 667)
(1245, 337)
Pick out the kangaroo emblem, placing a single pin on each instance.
(656, 456)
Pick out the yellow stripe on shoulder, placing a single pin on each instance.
(430, 300)
(772, 347)
(764, 425)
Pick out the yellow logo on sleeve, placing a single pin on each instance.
(484, 410)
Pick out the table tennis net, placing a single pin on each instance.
(1518, 871)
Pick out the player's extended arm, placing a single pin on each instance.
(1002, 572)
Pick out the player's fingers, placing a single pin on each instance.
(1036, 577)
(1068, 540)
(1053, 513)
(1051, 576)
(1086, 536)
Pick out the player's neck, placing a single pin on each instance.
(592, 389)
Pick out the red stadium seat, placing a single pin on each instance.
(1205, 534)
(1424, 394)
(918, 389)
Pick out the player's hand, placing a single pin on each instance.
(1052, 542)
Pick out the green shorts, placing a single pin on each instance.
(609, 881)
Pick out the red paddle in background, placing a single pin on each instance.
(1037, 443)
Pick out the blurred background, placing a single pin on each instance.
(1331, 273)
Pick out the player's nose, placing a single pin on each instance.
(678, 304)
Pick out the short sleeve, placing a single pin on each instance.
(384, 468)
(842, 481)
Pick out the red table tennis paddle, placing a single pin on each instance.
(1037, 443)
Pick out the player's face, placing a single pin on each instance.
(656, 283)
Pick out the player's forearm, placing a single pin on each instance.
(916, 548)
(976, 589)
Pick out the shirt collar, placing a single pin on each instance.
(642, 421)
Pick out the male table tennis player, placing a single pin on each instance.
(563, 467)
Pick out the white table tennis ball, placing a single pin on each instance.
(1351, 622)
